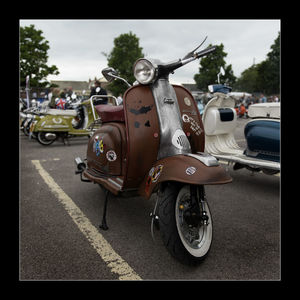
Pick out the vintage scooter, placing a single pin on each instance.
(28, 116)
(262, 133)
(154, 143)
(59, 123)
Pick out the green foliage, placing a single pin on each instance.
(265, 76)
(248, 80)
(122, 57)
(272, 68)
(33, 57)
(210, 67)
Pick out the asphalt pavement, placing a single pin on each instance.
(53, 245)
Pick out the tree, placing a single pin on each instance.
(272, 68)
(210, 67)
(33, 57)
(265, 76)
(248, 80)
(122, 57)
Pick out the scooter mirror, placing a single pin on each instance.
(222, 71)
(109, 74)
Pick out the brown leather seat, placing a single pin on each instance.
(109, 113)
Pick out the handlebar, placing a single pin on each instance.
(171, 66)
(205, 51)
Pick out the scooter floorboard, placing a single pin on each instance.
(114, 185)
(253, 162)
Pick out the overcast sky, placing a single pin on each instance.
(76, 46)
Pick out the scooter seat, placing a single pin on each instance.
(110, 113)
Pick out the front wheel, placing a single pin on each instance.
(185, 225)
(26, 127)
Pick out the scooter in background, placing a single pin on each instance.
(28, 116)
(58, 123)
(262, 133)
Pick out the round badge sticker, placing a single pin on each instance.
(187, 101)
(111, 155)
(190, 170)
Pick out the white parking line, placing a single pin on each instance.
(103, 248)
(50, 159)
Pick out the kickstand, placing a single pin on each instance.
(103, 224)
(67, 140)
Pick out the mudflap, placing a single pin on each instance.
(188, 169)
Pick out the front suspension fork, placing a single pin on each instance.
(198, 202)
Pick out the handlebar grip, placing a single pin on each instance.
(205, 51)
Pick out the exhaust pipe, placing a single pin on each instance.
(80, 168)
(50, 136)
(80, 165)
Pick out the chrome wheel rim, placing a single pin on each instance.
(195, 239)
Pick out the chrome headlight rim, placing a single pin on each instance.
(144, 71)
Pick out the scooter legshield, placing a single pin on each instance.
(185, 169)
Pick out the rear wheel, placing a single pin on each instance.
(41, 138)
(185, 226)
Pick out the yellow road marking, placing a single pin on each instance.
(103, 248)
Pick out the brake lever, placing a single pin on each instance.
(191, 54)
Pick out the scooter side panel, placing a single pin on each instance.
(263, 139)
(143, 134)
(185, 169)
(54, 123)
(192, 122)
(105, 152)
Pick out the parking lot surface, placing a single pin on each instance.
(59, 237)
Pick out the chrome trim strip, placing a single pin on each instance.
(115, 183)
(205, 158)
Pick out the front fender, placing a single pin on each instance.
(185, 169)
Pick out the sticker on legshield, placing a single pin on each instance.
(111, 155)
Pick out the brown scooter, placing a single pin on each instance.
(154, 143)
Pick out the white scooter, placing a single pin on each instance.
(262, 133)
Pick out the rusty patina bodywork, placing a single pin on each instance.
(122, 156)
(182, 168)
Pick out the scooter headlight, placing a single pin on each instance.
(144, 71)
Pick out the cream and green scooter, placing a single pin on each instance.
(57, 123)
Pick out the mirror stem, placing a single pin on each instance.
(117, 77)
